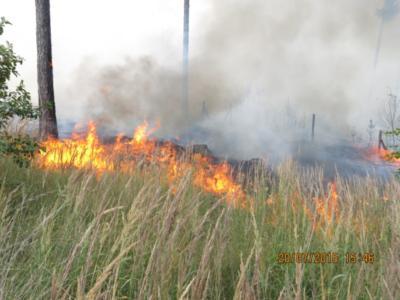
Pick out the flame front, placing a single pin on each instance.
(328, 209)
(376, 155)
(89, 153)
(326, 212)
(217, 179)
(141, 134)
(79, 153)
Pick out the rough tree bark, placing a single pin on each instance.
(48, 120)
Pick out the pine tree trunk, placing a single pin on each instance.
(48, 120)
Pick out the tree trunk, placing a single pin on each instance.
(48, 120)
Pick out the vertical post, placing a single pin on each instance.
(185, 73)
(313, 128)
(381, 144)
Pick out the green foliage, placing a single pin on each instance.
(395, 132)
(14, 103)
(395, 154)
(21, 148)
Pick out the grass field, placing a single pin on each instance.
(73, 234)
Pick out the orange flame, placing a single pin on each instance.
(327, 209)
(217, 179)
(79, 153)
(88, 152)
(378, 154)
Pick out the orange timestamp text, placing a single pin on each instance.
(308, 258)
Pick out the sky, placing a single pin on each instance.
(100, 31)
(250, 60)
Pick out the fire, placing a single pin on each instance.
(328, 209)
(217, 179)
(378, 154)
(141, 134)
(87, 152)
(323, 212)
(78, 153)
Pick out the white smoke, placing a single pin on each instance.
(300, 56)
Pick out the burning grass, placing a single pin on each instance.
(87, 152)
(70, 233)
(379, 154)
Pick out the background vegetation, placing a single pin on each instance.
(14, 103)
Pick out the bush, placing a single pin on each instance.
(396, 152)
(21, 148)
(14, 103)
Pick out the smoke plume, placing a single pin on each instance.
(261, 68)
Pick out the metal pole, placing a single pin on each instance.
(185, 91)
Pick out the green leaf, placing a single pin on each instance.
(17, 102)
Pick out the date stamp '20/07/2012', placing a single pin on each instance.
(325, 258)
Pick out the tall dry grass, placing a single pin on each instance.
(74, 235)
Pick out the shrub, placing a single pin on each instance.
(14, 103)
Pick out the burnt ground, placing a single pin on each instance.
(334, 159)
(340, 159)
